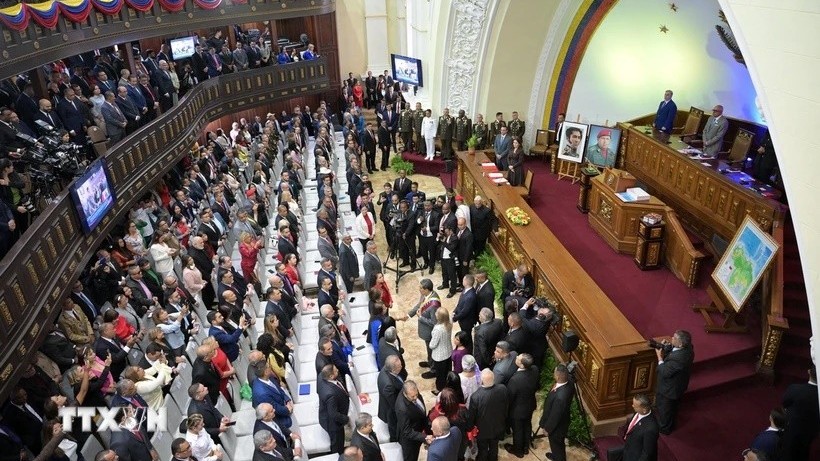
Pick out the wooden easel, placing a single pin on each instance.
(719, 305)
(568, 170)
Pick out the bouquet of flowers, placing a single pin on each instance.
(518, 216)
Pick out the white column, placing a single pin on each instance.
(375, 19)
(401, 26)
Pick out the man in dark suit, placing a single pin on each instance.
(665, 117)
(504, 358)
(484, 292)
(199, 63)
(402, 185)
(266, 389)
(107, 344)
(502, 145)
(446, 441)
(517, 284)
(673, 371)
(286, 441)
(485, 407)
(517, 336)
(75, 116)
(466, 311)
(205, 264)
(24, 419)
(334, 403)
(522, 387)
(151, 99)
(482, 222)
(26, 106)
(128, 109)
(46, 115)
(487, 334)
(802, 418)
(265, 447)
(428, 221)
(165, 86)
(384, 144)
(115, 120)
(769, 441)
(390, 385)
(556, 416)
(365, 439)
(640, 436)
(348, 263)
(59, 349)
(412, 422)
(371, 140)
(203, 372)
(131, 443)
(371, 262)
(465, 248)
(391, 118)
(213, 421)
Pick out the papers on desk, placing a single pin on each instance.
(690, 151)
(495, 175)
(706, 164)
(500, 181)
(487, 164)
(633, 194)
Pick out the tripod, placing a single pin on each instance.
(393, 253)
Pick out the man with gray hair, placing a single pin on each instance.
(446, 441)
(265, 446)
(390, 384)
(487, 334)
(504, 358)
(351, 454)
(390, 344)
(371, 262)
(412, 422)
(365, 439)
(428, 304)
(287, 443)
(165, 86)
(485, 409)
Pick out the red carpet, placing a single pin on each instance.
(426, 167)
(723, 409)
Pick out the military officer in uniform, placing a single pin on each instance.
(464, 127)
(445, 134)
(516, 126)
(600, 153)
(418, 137)
(480, 132)
(406, 127)
(495, 127)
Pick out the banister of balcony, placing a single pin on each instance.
(37, 273)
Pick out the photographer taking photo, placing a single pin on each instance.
(674, 369)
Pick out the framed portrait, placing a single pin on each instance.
(572, 142)
(603, 145)
(744, 262)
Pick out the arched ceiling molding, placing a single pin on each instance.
(586, 20)
(467, 27)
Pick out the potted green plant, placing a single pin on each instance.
(472, 142)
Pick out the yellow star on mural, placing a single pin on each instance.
(664, 29)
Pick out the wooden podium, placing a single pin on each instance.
(613, 219)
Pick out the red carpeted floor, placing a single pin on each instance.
(724, 407)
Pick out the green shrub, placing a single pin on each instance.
(397, 164)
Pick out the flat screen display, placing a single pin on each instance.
(182, 48)
(407, 70)
(93, 195)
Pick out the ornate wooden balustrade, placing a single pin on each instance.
(40, 269)
(26, 49)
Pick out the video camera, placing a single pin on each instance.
(49, 152)
(665, 348)
(554, 318)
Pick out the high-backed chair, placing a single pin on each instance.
(541, 146)
(524, 191)
(690, 128)
(740, 147)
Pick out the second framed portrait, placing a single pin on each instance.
(603, 145)
(572, 142)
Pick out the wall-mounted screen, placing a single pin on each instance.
(407, 70)
(93, 195)
(182, 48)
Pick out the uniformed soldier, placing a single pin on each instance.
(516, 126)
(445, 134)
(480, 132)
(418, 138)
(406, 127)
(464, 128)
(495, 127)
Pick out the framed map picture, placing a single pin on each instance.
(572, 142)
(746, 259)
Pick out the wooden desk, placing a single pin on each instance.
(706, 200)
(617, 221)
(614, 361)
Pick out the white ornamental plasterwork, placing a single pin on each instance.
(462, 57)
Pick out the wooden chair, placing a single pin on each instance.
(541, 146)
(740, 147)
(524, 191)
(692, 123)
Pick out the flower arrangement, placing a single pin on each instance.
(518, 216)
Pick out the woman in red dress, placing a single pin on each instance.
(291, 270)
(223, 367)
(358, 93)
(249, 250)
(381, 284)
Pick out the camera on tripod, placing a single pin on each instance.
(50, 152)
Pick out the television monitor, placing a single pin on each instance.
(182, 48)
(93, 195)
(407, 70)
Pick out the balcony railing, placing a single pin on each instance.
(38, 272)
(26, 49)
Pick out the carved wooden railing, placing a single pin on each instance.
(39, 270)
(680, 256)
(29, 48)
(774, 324)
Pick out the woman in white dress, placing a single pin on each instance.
(203, 447)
